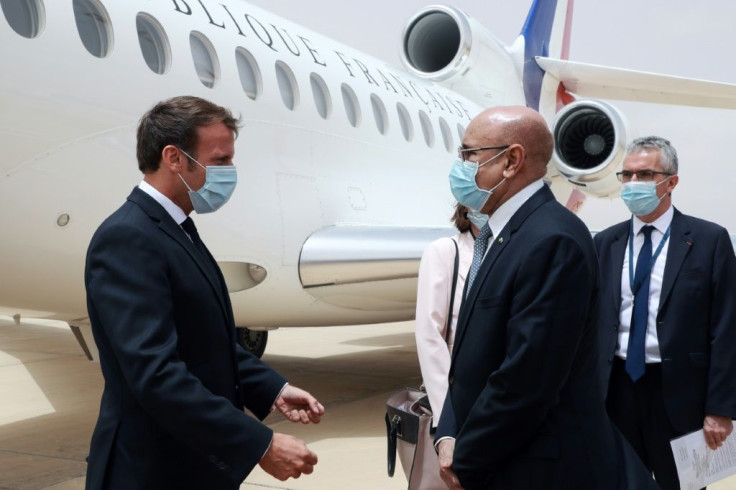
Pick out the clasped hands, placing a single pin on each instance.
(288, 456)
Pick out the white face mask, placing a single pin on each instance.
(219, 184)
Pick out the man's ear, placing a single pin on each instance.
(515, 157)
(173, 159)
(672, 183)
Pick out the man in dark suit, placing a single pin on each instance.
(524, 408)
(176, 381)
(668, 312)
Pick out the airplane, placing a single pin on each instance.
(343, 159)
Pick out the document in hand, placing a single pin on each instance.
(698, 465)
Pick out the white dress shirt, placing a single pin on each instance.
(651, 349)
(500, 217)
(171, 208)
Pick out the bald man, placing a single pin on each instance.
(525, 405)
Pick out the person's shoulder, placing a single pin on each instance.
(442, 246)
(611, 231)
(699, 224)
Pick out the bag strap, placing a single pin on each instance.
(392, 428)
(452, 292)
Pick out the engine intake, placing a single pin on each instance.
(590, 140)
(445, 45)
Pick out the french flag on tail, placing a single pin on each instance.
(546, 32)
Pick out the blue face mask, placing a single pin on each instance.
(464, 187)
(477, 218)
(219, 184)
(641, 197)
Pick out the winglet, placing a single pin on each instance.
(546, 32)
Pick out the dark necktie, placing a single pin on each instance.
(640, 313)
(479, 251)
(191, 230)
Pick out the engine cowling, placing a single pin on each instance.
(445, 45)
(590, 141)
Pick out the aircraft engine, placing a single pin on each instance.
(445, 45)
(590, 140)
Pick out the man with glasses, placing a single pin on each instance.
(668, 315)
(524, 408)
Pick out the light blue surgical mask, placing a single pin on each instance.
(464, 187)
(477, 218)
(219, 184)
(641, 197)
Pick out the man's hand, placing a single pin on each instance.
(446, 449)
(287, 457)
(297, 405)
(716, 429)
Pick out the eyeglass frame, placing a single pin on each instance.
(461, 150)
(620, 175)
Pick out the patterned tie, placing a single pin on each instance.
(640, 313)
(479, 250)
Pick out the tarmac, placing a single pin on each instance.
(49, 399)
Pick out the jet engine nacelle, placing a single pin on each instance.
(445, 45)
(590, 140)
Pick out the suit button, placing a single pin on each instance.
(451, 380)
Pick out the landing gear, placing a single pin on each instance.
(254, 341)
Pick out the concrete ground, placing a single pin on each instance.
(49, 395)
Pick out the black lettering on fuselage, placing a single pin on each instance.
(268, 41)
(312, 51)
(178, 9)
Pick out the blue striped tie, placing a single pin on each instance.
(640, 313)
(479, 250)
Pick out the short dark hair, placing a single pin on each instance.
(460, 218)
(175, 122)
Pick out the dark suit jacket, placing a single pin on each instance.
(176, 382)
(524, 402)
(696, 321)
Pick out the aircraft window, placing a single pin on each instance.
(250, 75)
(352, 108)
(153, 42)
(24, 16)
(405, 119)
(287, 85)
(205, 59)
(427, 130)
(321, 95)
(94, 27)
(460, 131)
(446, 134)
(379, 114)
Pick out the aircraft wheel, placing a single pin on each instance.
(254, 341)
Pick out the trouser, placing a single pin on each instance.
(637, 409)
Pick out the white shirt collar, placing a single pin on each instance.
(503, 214)
(660, 224)
(175, 211)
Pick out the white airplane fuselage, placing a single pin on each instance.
(67, 129)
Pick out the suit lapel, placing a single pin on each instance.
(498, 245)
(680, 245)
(616, 264)
(167, 224)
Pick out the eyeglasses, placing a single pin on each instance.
(462, 151)
(641, 175)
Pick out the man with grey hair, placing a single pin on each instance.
(668, 315)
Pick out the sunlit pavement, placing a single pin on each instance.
(49, 395)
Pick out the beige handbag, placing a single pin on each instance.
(408, 423)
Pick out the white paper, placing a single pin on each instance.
(698, 465)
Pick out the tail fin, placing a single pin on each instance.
(546, 32)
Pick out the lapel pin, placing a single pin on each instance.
(500, 240)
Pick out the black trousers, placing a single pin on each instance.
(638, 411)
